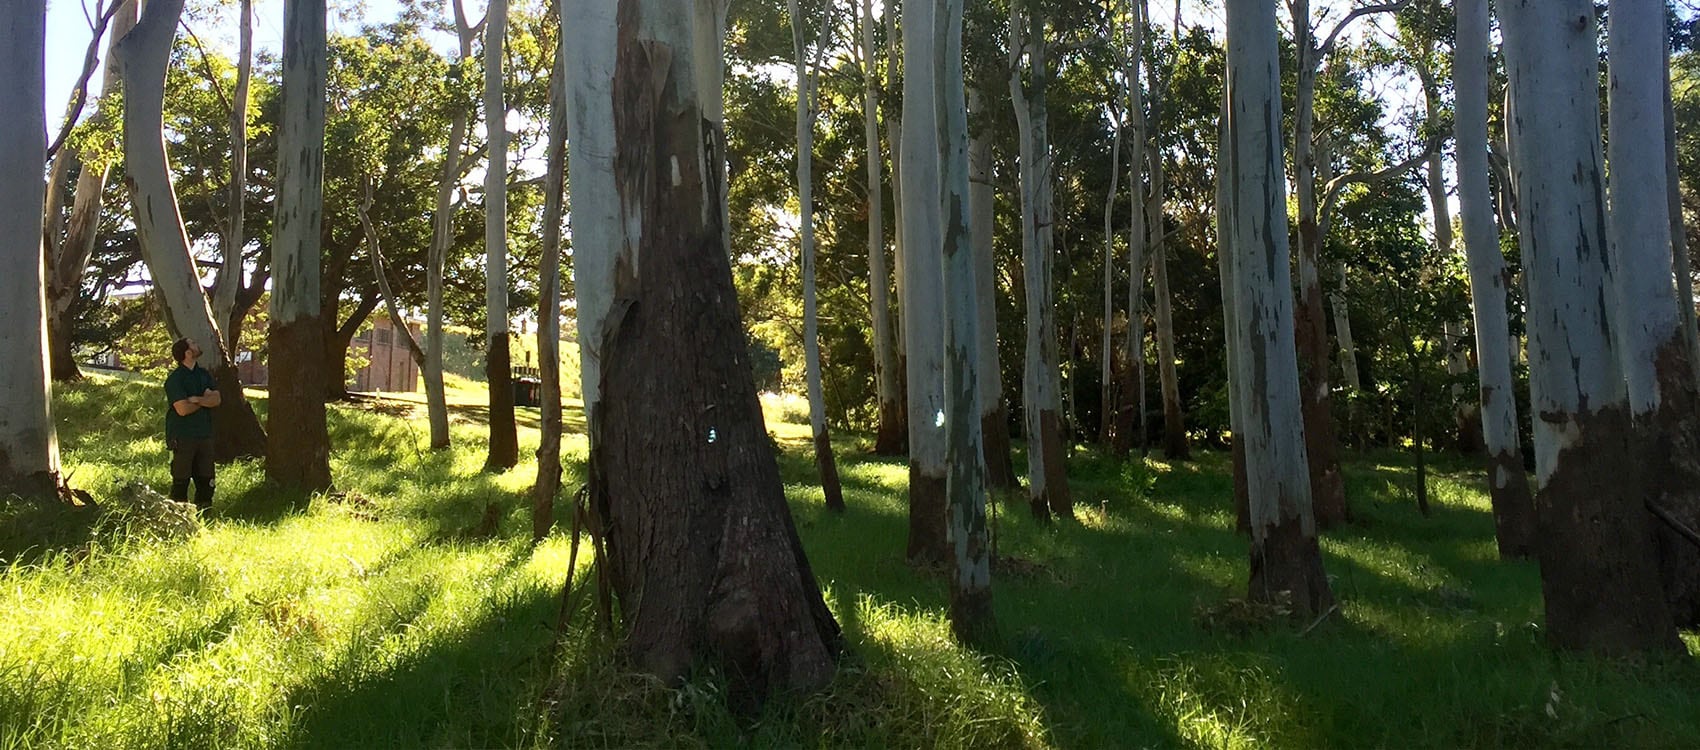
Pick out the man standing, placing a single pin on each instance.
(189, 392)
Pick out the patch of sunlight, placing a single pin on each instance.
(1216, 703)
(892, 476)
(1219, 570)
(1397, 564)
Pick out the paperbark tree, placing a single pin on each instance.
(1508, 485)
(808, 105)
(68, 255)
(548, 485)
(1599, 575)
(442, 235)
(890, 435)
(1047, 479)
(971, 616)
(994, 414)
(923, 287)
(230, 271)
(29, 443)
(498, 366)
(142, 56)
(702, 549)
(298, 454)
(1661, 387)
(1286, 562)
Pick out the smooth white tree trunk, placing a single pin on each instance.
(597, 232)
(1284, 552)
(29, 443)
(299, 451)
(498, 365)
(442, 235)
(1508, 485)
(1047, 481)
(230, 273)
(971, 580)
(808, 72)
(923, 286)
(886, 370)
(982, 226)
(1133, 346)
(1592, 529)
(1106, 391)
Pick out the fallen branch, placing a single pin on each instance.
(1671, 521)
(1325, 613)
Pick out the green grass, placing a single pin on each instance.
(385, 617)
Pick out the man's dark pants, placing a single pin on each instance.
(192, 458)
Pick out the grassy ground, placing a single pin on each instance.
(393, 616)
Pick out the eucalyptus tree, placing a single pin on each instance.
(971, 615)
(1130, 414)
(70, 250)
(891, 429)
(498, 365)
(808, 107)
(922, 289)
(696, 523)
(1047, 480)
(442, 236)
(235, 238)
(548, 484)
(29, 442)
(1321, 447)
(1175, 445)
(298, 453)
(1286, 562)
(142, 56)
(1599, 576)
(1661, 386)
(1508, 485)
(982, 228)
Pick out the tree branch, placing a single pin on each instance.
(80, 92)
(1334, 35)
(1331, 191)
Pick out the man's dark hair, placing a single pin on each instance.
(179, 349)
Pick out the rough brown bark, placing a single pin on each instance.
(1600, 585)
(504, 437)
(1000, 467)
(927, 543)
(1286, 567)
(1129, 427)
(1669, 440)
(298, 450)
(1055, 500)
(1328, 487)
(61, 360)
(893, 436)
(828, 472)
(703, 552)
(1513, 509)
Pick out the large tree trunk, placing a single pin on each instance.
(1599, 573)
(29, 443)
(1130, 411)
(1286, 563)
(230, 272)
(142, 56)
(498, 366)
(1175, 446)
(548, 485)
(971, 615)
(994, 415)
(702, 549)
(67, 264)
(1328, 487)
(922, 288)
(299, 452)
(890, 437)
(807, 104)
(1230, 321)
(1662, 398)
(1047, 480)
(1508, 485)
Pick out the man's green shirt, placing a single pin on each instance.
(181, 384)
